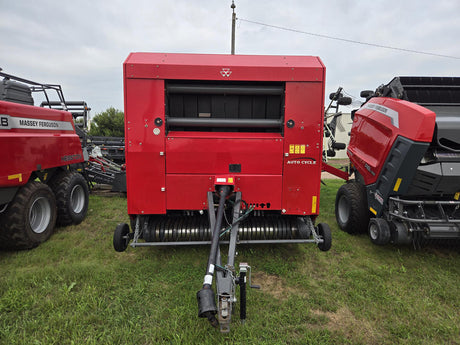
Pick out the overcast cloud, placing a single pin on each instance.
(82, 44)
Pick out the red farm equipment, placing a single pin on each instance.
(405, 154)
(42, 157)
(240, 134)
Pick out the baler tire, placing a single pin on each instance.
(120, 238)
(324, 231)
(29, 219)
(72, 197)
(351, 210)
(379, 231)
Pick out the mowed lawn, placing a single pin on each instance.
(75, 289)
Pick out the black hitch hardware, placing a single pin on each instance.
(226, 278)
(207, 305)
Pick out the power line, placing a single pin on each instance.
(348, 40)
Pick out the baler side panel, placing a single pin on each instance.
(397, 173)
(375, 128)
(35, 138)
(145, 163)
(368, 147)
(28, 153)
(303, 144)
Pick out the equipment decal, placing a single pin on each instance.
(10, 122)
(16, 176)
(378, 197)
(392, 114)
(297, 149)
(302, 161)
(397, 184)
(225, 72)
(313, 203)
(4, 121)
(70, 158)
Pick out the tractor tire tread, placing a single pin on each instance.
(60, 184)
(13, 221)
(359, 214)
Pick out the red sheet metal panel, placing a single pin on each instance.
(214, 155)
(34, 138)
(303, 148)
(376, 126)
(223, 67)
(188, 191)
(145, 146)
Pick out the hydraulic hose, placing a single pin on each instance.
(206, 300)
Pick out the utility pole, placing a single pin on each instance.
(233, 6)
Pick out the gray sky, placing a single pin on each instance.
(82, 44)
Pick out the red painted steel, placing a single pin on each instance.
(175, 170)
(203, 155)
(145, 163)
(35, 139)
(223, 67)
(377, 125)
(302, 167)
(334, 171)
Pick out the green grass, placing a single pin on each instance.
(75, 289)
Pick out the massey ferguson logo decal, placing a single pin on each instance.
(392, 114)
(225, 72)
(302, 161)
(13, 122)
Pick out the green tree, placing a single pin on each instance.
(109, 123)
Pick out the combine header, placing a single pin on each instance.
(240, 134)
(405, 154)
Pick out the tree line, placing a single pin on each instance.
(109, 123)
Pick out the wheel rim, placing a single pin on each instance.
(373, 231)
(77, 199)
(343, 209)
(40, 215)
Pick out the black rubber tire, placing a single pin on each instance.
(120, 238)
(325, 232)
(72, 197)
(351, 210)
(29, 219)
(379, 231)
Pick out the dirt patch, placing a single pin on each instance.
(273, 285)
(343, 321)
